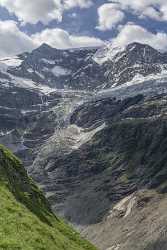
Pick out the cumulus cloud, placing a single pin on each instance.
(134, 33)
(13, 41)
(33, 11)
(109, 16)
(154, 9)
(77, 3)
(61, 39)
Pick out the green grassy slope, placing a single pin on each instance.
(26, 221)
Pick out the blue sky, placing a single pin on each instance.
(78, 23)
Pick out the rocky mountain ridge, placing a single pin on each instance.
(81, 69)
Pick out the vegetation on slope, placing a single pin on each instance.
(26, 221)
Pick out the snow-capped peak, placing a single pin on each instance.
(107, 53)
(110, 52)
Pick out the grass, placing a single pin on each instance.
(26, 221)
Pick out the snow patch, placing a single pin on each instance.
(51, 62)
(107, 53)
(30, 70)
(11, 61)
(29, 84)
(60, 71)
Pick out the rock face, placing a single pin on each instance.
(29, 118)
(82, 69)
(109, 165)
(70, 69)
(99, 157)
(136, 222)
(132, 62)
(116, 177)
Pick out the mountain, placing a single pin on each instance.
(135, 60)
(71, 69)
(95, 144)
(32, 112)
(81, 69)
(27, 221)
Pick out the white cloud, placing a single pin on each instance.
(109, 16)
(134, 33)
(154, 9)
(61, 39)
(13, 41)
(77, 3)
(33, 11)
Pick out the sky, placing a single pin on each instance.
(26, 24)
